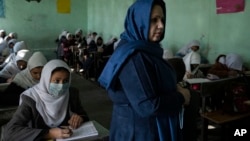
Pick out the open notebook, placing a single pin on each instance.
(86, 130)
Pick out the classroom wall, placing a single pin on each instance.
(223, 33)
(107, 17)
(39, 24)
(186, 20)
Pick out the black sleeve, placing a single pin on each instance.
(10, 96)
(18, 127)
(76, 105)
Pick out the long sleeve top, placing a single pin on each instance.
(28, 124)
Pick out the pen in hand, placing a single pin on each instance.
(66, 131)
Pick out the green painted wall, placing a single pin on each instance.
(106, 17)
(186, 20)
(39, 23)
(223, 33)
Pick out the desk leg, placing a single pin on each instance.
(204, 129)
(204, 122)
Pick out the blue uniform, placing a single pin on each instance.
(141, 84)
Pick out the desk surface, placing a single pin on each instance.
(197, 80)
(205, 80)
(221, 117)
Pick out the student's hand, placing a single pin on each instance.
(9, 80)
(186, 94)
(189, 75)
(59, 133)
(75, 121)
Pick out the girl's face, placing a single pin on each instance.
(195, 48)
(60, 77)
(156, 24)
(21, 64)
(11, 45)
(99, 41)
(36, 72)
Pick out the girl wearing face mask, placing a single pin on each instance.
(12, 68)
(23, 80)
(49, 109)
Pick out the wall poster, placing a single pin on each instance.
(229, 6)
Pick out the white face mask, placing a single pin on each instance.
(56, 90)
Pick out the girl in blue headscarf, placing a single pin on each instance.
(142, 86)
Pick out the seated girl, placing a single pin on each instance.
(226, 66)
(23, 80)
(48, 110)
(193, 45)
(11, 57)
(192, 61)
(12, 68)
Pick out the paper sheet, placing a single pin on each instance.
(87, 129)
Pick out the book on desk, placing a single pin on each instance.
(85, 131)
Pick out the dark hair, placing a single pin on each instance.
(221, 55)
(160, 3)
(59, 69)
(179, 67)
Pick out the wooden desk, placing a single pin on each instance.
(207, 89)
(220, 117)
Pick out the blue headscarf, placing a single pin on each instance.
(134, 38)
(137, 22)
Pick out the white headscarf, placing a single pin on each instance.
(187, 48)
(24, 79)
(234, 61)
(3, 45)
(52, 109)
(19, 46)
(9, 50)
(79, 31)
(191, 58)
(13, 35)
(68, 36)
(11, 69)
(63, 33)
(116, 43)
(12, 41)
(222, 60)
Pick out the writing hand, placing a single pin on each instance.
(59, 133)
(75, 121)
